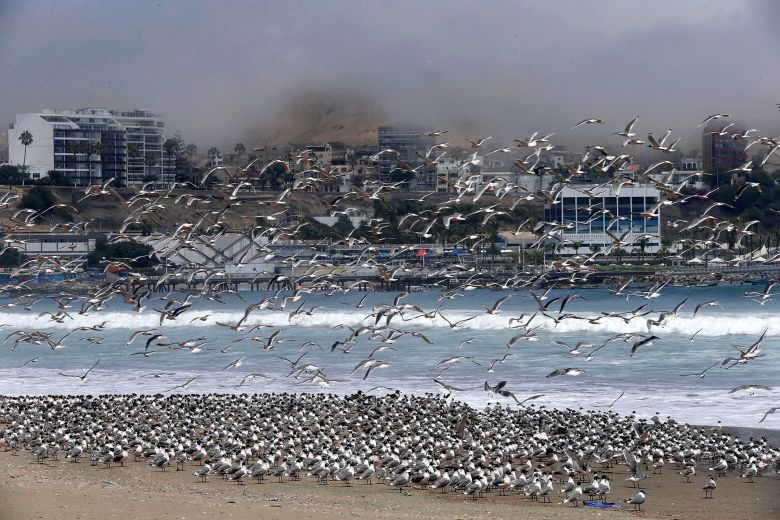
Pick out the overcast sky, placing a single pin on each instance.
(508, 68)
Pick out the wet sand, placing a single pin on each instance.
(62, 490)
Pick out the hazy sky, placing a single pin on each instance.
(218, 68)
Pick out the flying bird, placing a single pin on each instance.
(589, 122)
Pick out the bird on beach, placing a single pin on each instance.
(203, 472)
(688, 472)
(750, 472)
(637, 500)
(709, 487)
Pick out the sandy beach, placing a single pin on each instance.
(63, 490)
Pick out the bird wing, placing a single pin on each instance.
(771, 410)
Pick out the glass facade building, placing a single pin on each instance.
(624, 210)
(408, 142)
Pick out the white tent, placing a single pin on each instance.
(717, 261)
(695, 261)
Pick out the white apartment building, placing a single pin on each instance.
(90, 145)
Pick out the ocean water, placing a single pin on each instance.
(650, 380)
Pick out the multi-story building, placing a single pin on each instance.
(408, 142)
(721, 152)
(448, 170)
(692, 162)
(3, 147)
(321, 153)
(628, 213)
(89, 145)
(146, 157)
(268, 153)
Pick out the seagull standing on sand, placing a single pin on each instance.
(637, 500)
(574, 497)
(709, 487)
(750, 472)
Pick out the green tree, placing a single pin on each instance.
(53, 178)
(343, 226)
(11, 174)
(276, 175)
(26, 138)
(11, 257)
(120, 251)
(38, 198)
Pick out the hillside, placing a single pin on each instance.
(320, 118)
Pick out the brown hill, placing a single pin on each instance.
(322, 118)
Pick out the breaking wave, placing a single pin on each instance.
(706, 326)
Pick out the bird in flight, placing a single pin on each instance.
(83, 377)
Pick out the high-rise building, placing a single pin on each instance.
(408, 142)
(721, 152)
(90, 145)
(146, 158)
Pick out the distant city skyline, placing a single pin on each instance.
(218, 70)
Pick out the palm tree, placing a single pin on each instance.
(642, 243)
(150, 161)
(172, 148)
(87, 149)
(191, 149)
(576, 245)
(26, 139)
(133, 152)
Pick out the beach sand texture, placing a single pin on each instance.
(58, 490)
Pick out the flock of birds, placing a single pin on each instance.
(398, 439)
